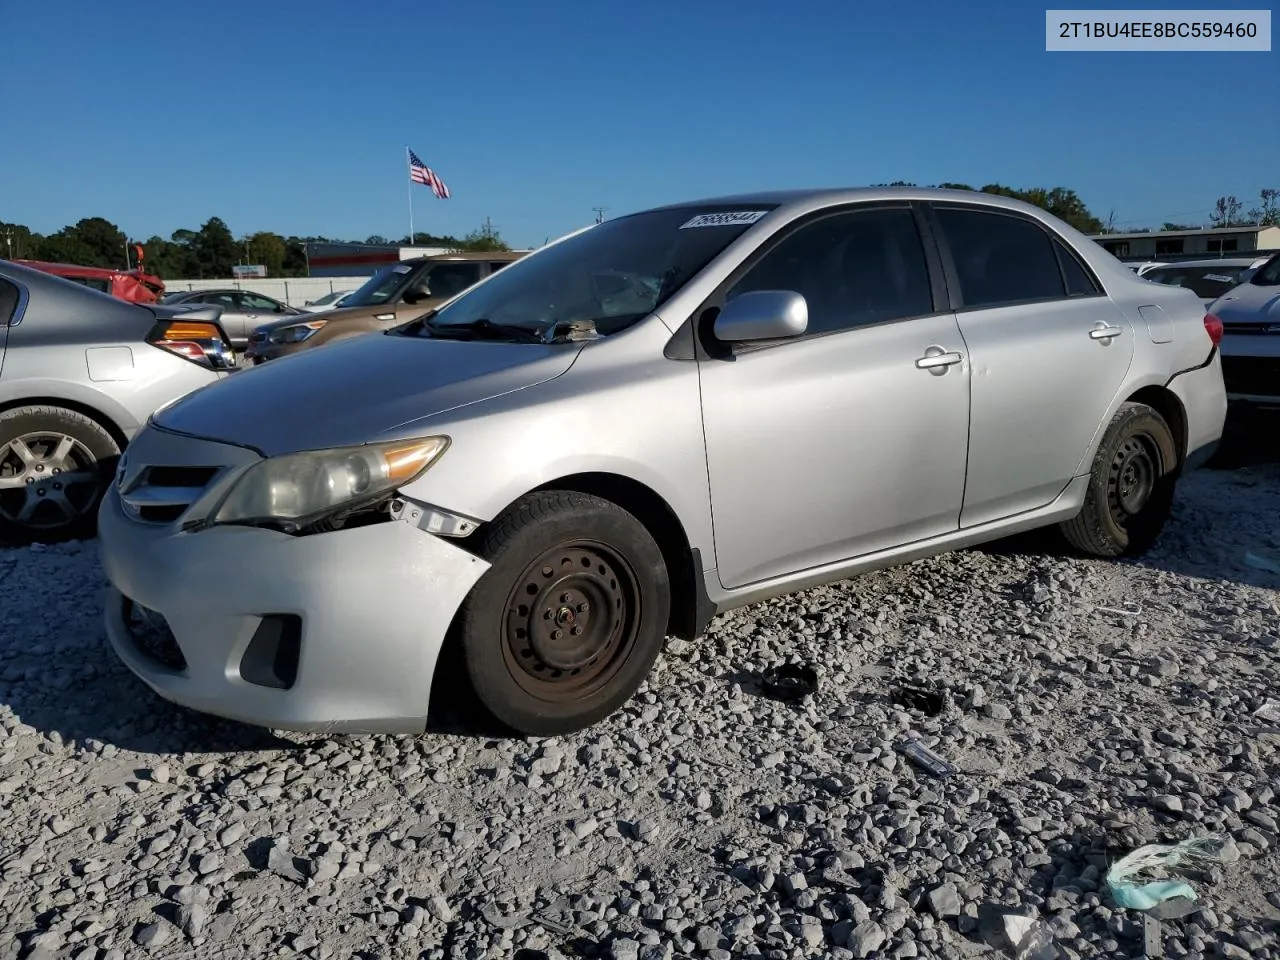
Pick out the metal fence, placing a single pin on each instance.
(294, 291)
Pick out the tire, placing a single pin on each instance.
(55, 465)
(1131, 486)
(515, 627)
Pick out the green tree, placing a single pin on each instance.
(483, 240)
(1267, 213)
(1226, 212)
(376, 240)
(267, 249)
(1178, 226)
(215, 249)
(18, 242)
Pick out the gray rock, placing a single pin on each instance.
(866, 938)
(192, 918)
(153, 935)
(945, 901)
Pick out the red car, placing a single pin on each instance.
(135, 286)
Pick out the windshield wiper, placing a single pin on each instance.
(484, 328)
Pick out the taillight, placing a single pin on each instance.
(201, 343)
(1213, 327)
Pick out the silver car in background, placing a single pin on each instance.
(80, 372)
(1208, 279)
(1250, 316)
(242, 310)
(658, 418)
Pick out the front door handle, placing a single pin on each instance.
(936, 360)
(1104, 332)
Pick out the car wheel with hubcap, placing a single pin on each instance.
(1131, 485)
(565, 625)
(54, 466)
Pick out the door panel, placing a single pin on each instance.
(1048, 350)
(834, 447)
(1041, 387)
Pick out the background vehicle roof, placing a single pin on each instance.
(838, 195)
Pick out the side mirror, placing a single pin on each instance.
(762, 315)
(417, 294)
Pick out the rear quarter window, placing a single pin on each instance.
(9, 297)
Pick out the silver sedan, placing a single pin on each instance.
(656, 419)
(80, 372)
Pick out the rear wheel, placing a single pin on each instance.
(567, 622)
(54, 466)
(1131, 486)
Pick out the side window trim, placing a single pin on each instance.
(953, 277)
(20, 305)
(1063, 249)
(705, 348)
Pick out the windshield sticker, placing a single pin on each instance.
(732, 219)
(401, 269)
(1217, 276)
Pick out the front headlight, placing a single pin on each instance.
(296, 332)
(298, 488)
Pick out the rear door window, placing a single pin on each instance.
(1000, 259)
(224, 300)
(450, 279)
(258, 303)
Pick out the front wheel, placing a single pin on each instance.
(1131, 486)
(55, 465)
(565, 625)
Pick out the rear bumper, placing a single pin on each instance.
(1252, 379)
(374, 602)
(1204, 399)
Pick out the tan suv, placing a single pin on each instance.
(395, 294)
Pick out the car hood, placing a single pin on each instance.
(360, 390)
(1248, 303)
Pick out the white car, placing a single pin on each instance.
(1208, 279)
(1250, 315)
(1141, 267)
(329, 301)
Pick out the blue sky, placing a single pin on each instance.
(293, 117)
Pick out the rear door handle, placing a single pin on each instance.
(937, 360)
(1104, 332)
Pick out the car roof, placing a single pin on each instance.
(1213, 262)
(470, 255)
(842, 195)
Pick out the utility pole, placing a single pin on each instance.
(488, 229)
(599, 213)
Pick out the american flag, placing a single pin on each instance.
(419, 172)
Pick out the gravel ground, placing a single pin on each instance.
(704, 819)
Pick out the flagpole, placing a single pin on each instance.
(409, 171)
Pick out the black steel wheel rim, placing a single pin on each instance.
(48, 480)
(571, 621)
(1134, 471)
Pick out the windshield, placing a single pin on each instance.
(1208, 283)
(176, 296)
(382, 287)
(608, 276)
(1268, 274)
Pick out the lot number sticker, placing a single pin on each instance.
(731, 219)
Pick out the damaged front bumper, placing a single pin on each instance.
(336, 631)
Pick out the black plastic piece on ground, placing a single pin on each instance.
(271, 659)
(916, 697)
(791, 682)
